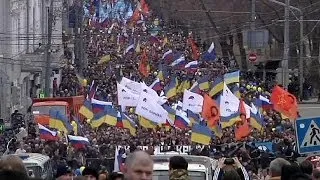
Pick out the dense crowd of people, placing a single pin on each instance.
(109, 60)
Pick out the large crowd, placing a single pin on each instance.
(108, 61)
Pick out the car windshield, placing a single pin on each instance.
(164, 175)
(44, 110)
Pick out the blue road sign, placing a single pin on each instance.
(308, 135)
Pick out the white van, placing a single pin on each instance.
(199, 167)
(38, 164)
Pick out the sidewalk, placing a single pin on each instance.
(310, 101)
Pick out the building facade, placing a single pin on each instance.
(23, 46)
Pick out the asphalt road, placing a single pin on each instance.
(309, 110)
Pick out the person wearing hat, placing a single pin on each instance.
(64, 173)
(90, 174)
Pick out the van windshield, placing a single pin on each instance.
(44, 110)
(164, 175)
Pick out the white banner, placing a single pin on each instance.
(192, 101)
(126, 97)
(229, 103)
(161, 149)
(135, 87)
(149, 108)
(146, 89)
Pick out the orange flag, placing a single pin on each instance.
(284, 102)
(242, 131)
(144, 65)
(210, 111)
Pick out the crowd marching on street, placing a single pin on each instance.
(152, 87)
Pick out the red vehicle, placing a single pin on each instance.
(66, 105)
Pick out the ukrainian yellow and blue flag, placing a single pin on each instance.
(109, 116)
(128, 123)
(233, 77)
(195, 88)
(86, 109)
(204, 82)
(256, 121)
(236, 91)
(77, 126)
(147, 123)
(171, 88)
(217, 129)
(163, 72)
(185, 84)
(194, 118)
(81, 80)
(171, 117)
(59, 121)
(217, 86)
(201, 134)
(230, 120)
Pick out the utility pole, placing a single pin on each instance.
(284, 64)
(28, 24)
(301, 20)
(301, 76)
(253, 14)
(48, 51)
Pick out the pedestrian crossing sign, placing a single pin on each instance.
(308, 135)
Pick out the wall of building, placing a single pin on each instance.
(23, 38)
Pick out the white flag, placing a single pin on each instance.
(126, 97)
(149, 108)
(253, 109)
(146, 89)
(133, 86)
(229, 103)
(192, 101)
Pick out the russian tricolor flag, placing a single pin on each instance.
(156, 85)
(78, 142)
(193, 65)
(92, 90)
(99, 106)
(181, 120)
(266, 104)
(130, 48)
(168, 56)
(179, 63)
(210, 55)
(47, 134)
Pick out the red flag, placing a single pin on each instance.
(284, 102)
(144, 7)
(210, 111)
(242, 111)
(144, 65)
(195, 49)
(242, 131)
(136, 16)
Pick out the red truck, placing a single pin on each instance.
(66, 105)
